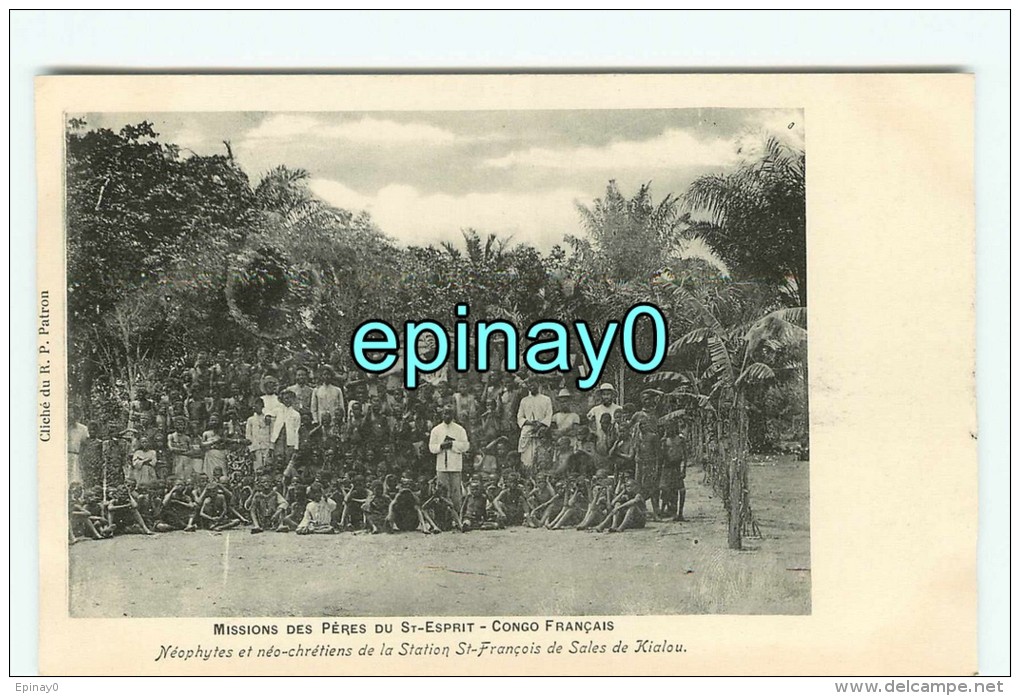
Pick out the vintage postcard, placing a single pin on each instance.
(518, 374)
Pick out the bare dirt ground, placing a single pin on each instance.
(666, 568)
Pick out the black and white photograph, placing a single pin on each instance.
(395, 363)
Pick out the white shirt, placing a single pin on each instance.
(596, 412)
(537, 407)
(449, 459)
(289, 419)
(319, 513)
(565, 419)
(257, 432)
(327, 398)
(271, 405)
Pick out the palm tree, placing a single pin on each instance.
(631, 234)
(755, 218)
(737, 341)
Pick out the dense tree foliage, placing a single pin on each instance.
(755, 218)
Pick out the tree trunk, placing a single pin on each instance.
(757, 428)
(735, 483)
(739, 504)
(721, 466)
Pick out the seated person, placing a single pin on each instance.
(538, 499)
(574, 506)
(122, 511)
(266, 506)
(296, 495)
(404, 513)
(318, 517)
(476, 510)
(177, 507)
(356, 494)
(82, 522)
(598, 500)
(510, 503)
(214, 513)
(439, 511)
(376, 508)
(627, 510)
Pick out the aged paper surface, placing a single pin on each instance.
(893, 482)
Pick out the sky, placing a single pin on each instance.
(424, 176)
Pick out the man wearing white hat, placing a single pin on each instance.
(607, 394)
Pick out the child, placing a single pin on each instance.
(475, 511)
(404, 512)
(538, 498)
(233, 506)
(510, 503)
(562, 458)
(492, 456)
(627, 510)
(122, 511)
(318, 517)
(356, 494)
(296, 496)
(267, 507)
(552, 507)
(672, 487)
(598, 501)
(621, 454)
(214, 513)
(95, 505)
(574, 507)
(82, 521)
(606, 434)
(376, 508)
(148, 507)
(439, 511)
(177, 508)
(143, 462)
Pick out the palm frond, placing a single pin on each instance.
(756, 373)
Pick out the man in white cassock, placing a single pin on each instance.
(449, 441)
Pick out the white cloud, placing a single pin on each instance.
(671, 149)
(366, 130)
(786, 126)
(413, 217)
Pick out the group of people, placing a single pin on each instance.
(222, 442)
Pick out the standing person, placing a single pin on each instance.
(257, 431)
(143, 462)
(301, 390)
(567, 422)
(607, 397)
(672, 488)
(269, 388)
(284, 435)
(327, 397)
(214, 446)
(534, 415)
(465, 404)
(77, 435)
(178, 442)
(509, 401)
(648, 448)
(564, 417)
(449, 441)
